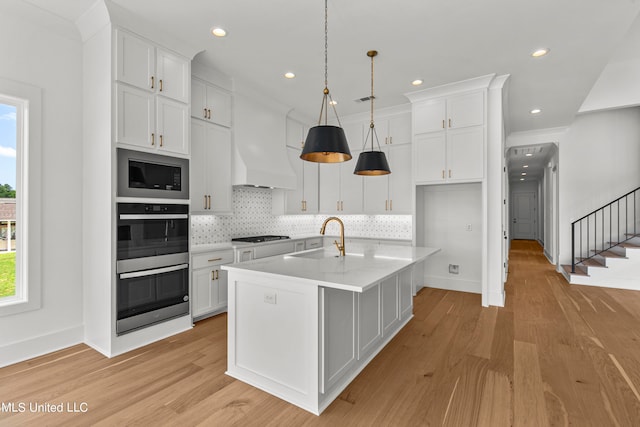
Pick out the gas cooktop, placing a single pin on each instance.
(258, 239)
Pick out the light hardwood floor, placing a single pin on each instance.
(555, 355)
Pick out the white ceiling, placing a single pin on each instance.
(437, 41)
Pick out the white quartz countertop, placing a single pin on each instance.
(362, 267)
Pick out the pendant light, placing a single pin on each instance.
(372, 163)
(326, 143)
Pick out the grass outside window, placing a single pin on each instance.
(7, 274)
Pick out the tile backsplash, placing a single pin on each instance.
(252, 216)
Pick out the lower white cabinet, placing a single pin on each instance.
(209, 283)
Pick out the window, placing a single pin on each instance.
(20, 121)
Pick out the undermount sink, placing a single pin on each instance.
(321, 254)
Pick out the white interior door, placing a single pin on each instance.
(524, 216)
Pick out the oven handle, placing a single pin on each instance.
(144, 273)
(152, 216)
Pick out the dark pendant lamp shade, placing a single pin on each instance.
(372, 163)
(326, 144)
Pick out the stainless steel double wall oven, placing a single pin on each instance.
(152, 265)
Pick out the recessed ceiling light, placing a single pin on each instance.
(289, 75)
(521, 179)
(536, 111)
(524, 174)
(417, 82)
(525, 166)
(218, 32)
(540, 52)
(529, 154)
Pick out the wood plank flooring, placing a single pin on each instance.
(555, 355)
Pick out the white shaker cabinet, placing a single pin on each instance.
(210, 103)
(341, 191)
(390, 194)
(152, 96)
(449, 141)
(211, 188)
(209, 283)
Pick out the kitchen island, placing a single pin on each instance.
(302, 326)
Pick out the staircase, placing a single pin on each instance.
(606, 245)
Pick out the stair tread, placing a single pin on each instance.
(580, 271)
(591, 262)
(611, 254)
(629, 245)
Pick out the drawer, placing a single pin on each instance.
(207, 259)
(273, 249)
(313, 243)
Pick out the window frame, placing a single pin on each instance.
(28, 102)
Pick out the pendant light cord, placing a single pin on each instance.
(371, 125)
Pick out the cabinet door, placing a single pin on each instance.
(400, 129)
(369, 332)
(172, 126)
(465, 110)
(295, 134)
(405, 287)
(219, 165)
(135, 119)
(173, 76)
(298, 246)
(351, 187)
(338, 310)
(400, 180)
(202, 297)
(355, 135)
(329, 187)
(219, 104)
(465, 154)
(199, 170)
(198, 99)
(376, 193)
(135, 61)
(390, 304)
(221, 288)
(430, 157)
(295, 198)
(429, 116)
(310, 176)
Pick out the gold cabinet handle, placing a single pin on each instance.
(442, 173)
(213, 275)
(209, 201)
(442, 123)
(341, 205)
(338, 205)
(205, 113)
(153, 82)
(205, 202)
(390, 140)
(449, 173)
(391, 204)
(217, 274)
(160, 85)
(209, 114)
(386, 205)
(449, 122)
(160, 140)
(153, 139)
(214, 259)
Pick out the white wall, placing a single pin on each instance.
(598, 157)
(41, 50)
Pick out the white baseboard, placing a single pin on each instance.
(38, 346)
(497, 299)
(460, 285)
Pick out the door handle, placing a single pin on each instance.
(514, 220)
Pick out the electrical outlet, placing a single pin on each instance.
(454, 268)
(468, 227)
(270, 297)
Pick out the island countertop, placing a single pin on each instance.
(363, 266)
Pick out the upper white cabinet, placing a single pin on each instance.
(304, 199)
(210, 168)
(210, 103)
(152, 96)
(453, 112)
(449, 142)
(340, 190)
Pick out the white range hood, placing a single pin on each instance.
(260, 155)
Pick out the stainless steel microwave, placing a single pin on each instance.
(151, 175)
